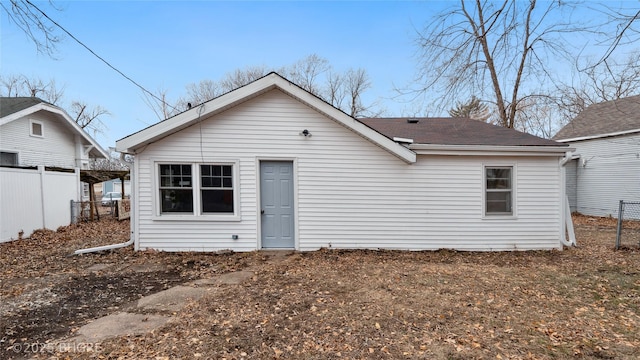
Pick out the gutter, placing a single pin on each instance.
(112, 246)
(567, 157)
(103, 248)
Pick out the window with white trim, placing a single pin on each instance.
(176, 188)
(216, 188)
(498, 190)
(36, 128)
(197, 189)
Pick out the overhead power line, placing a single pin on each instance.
(99, 57)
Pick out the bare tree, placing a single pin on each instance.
(498, 50)
(20, 85)
(335, 89)
(46, 91)
(113, 163)
(88, 117)
(306, 72)
(33, 23)
(538, 116)
(603, 81)
(203, 91)
(356, 82)
(239, 78)
(11, 85)
(161, 108)
(312, 73)
(626, 31)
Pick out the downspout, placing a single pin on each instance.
(566, 212)
(112, 246)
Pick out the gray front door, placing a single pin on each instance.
(276, 201)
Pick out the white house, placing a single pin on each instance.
(41, 153)
(271, 166)
(606, 165)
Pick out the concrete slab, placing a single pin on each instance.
(171, 300)
(119, 324)
(233, 278)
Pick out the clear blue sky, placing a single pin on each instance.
(169, 44)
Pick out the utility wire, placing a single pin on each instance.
(98, 56)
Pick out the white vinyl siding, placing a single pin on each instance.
(571, 171)
(55, 148)
(608, 171)
(350, 193)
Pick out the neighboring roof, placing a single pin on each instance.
(14, 108)
(454, 131)
(604, 119)
(260, 86)
(10, 105)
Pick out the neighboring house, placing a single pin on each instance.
(606, 165)
(42, 151)
(271, 166)
(115, 185)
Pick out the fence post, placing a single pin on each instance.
(74, 215)
(620, 216)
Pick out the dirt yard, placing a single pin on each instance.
(582, 302)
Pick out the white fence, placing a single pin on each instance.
(32, 199)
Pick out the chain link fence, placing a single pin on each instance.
(628, 235)
(95, 210)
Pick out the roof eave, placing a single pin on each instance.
(495, 150)
(598, 136)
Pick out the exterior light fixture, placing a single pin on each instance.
(306, 133)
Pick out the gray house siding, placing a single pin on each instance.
(608, 171)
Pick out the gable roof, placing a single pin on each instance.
(427, 133)
(14, 108)
(10, 105)
(260, 86)
(454, 131)
(604, 119)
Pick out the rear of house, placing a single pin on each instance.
(270, 166)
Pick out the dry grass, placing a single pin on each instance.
(582, 302)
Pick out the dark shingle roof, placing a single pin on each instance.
(454, 131)
(604, 118)
(10, 105)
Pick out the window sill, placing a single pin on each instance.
(190, 217)
(499, 217)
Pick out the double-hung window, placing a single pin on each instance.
(176, 188)
(216, 188)
(197, 189)
(499, 190)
